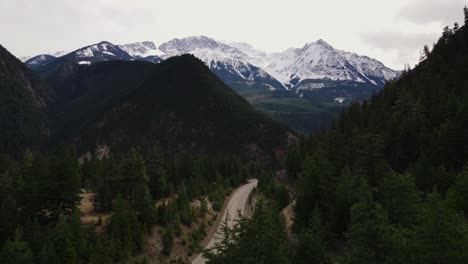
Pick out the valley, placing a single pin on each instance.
(317, 72)
(194, 149)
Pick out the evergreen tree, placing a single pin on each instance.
(443, 235)
(16, 250)
(314, 189)
(344, 198)
(68, 179)
(293, 161)
(157, 174)
(465, 11)
(312, 244)
(368, 223)
(70, 256)
(47, 255)
(460, 188)
(261, 239)
(107, 186)
(401, 199)
(168, 241)
(8, 207)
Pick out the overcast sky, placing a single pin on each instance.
(393, 31)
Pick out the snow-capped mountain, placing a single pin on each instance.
(39, 61)
(255, 56)
(228, 62)
(42, 57)
(142, 49)
(241, 64)
(318, 60)
(58, 53)
(102, 51)
(25, 58)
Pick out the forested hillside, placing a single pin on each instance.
(177, 104)
(174, 134)
(390, 178)
(387, 183)
(23, 106)
(42, 217)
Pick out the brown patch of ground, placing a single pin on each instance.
(288, 215)
(89, 216)
(182, 251)
(165, 200)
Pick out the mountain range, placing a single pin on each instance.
(294, 86)
(240, 61)
(178, 104)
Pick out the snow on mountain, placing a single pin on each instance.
(39, 60)
(255, 56)
(240, 62)
(25, 58)
(54, 54)
(58, 53)
(102, 51)
(226, 61)
(188, 45)
(319, 60)
(142, 49)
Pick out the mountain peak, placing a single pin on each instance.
(321, 43)
(188, 44)
(102, 42)
(141, 49)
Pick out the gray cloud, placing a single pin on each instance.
(393, 40)
(31, 27)
(49, 25)
(405, 46)
(445, 12)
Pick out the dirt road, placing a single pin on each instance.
(237, 204)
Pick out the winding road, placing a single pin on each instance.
(237, 204)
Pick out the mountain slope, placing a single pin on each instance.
(24, 99)
(102, 51)
(178, 104)
(39, 61)
(398, 159)
(233, 61)
(317, 78)
(319, 60)
(228, 62)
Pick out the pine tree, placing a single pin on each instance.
(8, 207)
(47, 255)
(293, 161)
(460, 188)
(101, 253)
(344, 199)
(312, 245)
(465, 11)
(225, 249)
(16, 250)
(124, 229)
(70, 256)
(107, 187)
(63, 185)
(168, 241)
(443, 235)
(368, 223)
(401, 199)
(314, 188)
(157, 174)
